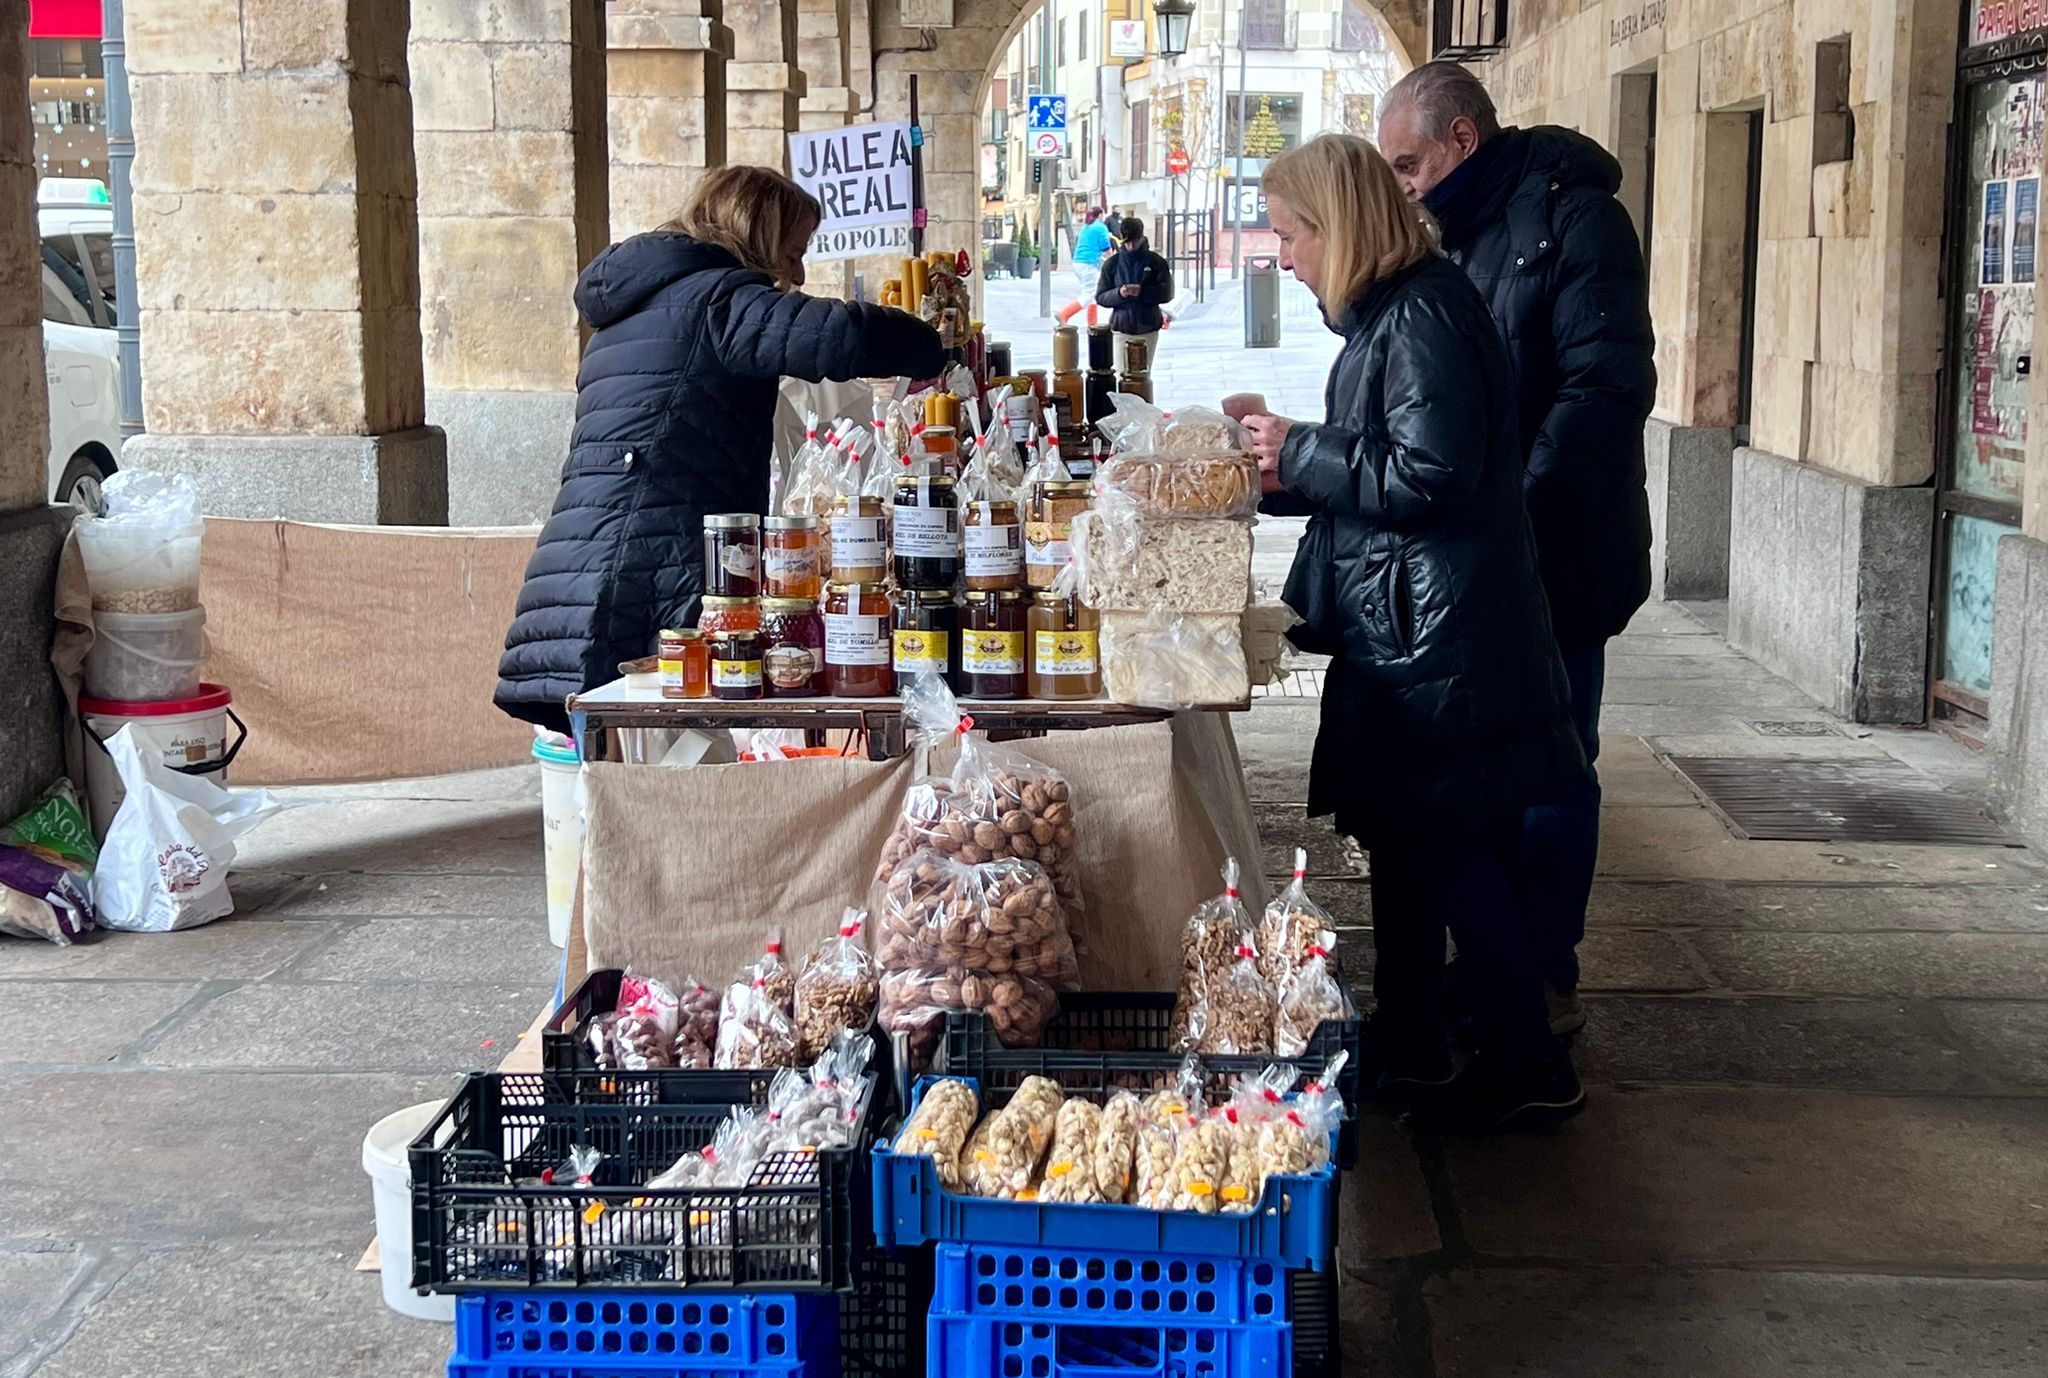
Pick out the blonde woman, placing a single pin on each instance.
(692, 328)
(1444, 713)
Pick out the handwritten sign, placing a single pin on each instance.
(861, 177)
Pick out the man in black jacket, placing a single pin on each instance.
(1530, 215)
(1135, 282)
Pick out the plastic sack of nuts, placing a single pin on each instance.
(697, 1034)
(994, 805)
(1006, 1161)
(1239, 1015)
(1242, 1184)
(1163, 1116)
(839, 985)
(1070, 1164)
(1201, 1164)
(1209, 944)
(777, 977)
(753, 1029)
(640, 1034)
(1309, 995)
(938, 1129)
(953, 936)
(1283, 1143)
(1116, 1145)
(1290, 925)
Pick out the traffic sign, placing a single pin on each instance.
(1176, 162)
(1046, 126)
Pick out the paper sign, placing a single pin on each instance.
(861, 177)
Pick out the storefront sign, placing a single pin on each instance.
(1126, 38)
(1247, 200)
(1991, 20)
(861, 177)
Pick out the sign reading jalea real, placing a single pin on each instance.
(861, 177)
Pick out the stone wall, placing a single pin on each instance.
(665, 96)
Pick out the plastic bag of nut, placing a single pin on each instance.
(1009, 1146)
(995, 805)
(1163, 1115)
(989, 938)
(1239, 1014)
(1209, 945)
(778, 978)
(753, 1029)
(1288, 928)
(938, 1128)
(640, 1033)
(1309, 995)
(697, 1034)
(1116, 1145)
(1070, 1164)
(839, 985)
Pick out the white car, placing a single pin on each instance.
(80, 358)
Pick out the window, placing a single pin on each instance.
(1081, 37)
(1272, 124)
(1061, 60)
(1356, 31)
(64, 296)
(1834, 124)
(1358, 114)
(1140, 152)
(62, 254)
(1086, 144)
(1265, 24)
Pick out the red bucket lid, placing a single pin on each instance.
(210, 698)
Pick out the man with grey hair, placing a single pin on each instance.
(1530, 215)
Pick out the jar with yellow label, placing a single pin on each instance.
(681, 661)
(1054, 505)
(736, 665)
(1066, 660)
(925, 627)
(993, 632)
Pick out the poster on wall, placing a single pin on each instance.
(1991, 257)
(2026, 222)
(861, 177)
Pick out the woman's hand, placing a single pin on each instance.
(1267, 433)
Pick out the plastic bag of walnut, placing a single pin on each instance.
(1209, 945)
(753, 1029)
(988, 938)
(1288, 928)
(839, 985)
(1309, 995)
(994, 805)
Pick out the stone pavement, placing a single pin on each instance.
(1817, 1141)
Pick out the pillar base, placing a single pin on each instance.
(1827, 584)
(399, 479)
(2019, 687)
(1690, 470)
(505, 453)
(30, 544)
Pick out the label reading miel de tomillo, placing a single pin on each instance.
(856, 638)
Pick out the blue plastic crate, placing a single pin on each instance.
(1012, 1281)
(1294, 1224)
(981, 1347)
(503, 1335)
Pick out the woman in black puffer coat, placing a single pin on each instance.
(675, 410)
(1444, 711)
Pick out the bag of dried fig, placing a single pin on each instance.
(839, 985)
(1288, 928)
(1209, 945)
(994, 805)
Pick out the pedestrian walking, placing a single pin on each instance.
(1090, 246)
(693, 326)
(1530, 215)
(1444, 710)
(1135, 283)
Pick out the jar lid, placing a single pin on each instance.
(718, 600)
(986, 505)
(858, 590)
(731, 521)
(920, 597)
(789, 605)
(998, 595)
(797, 523)
(737, 639)
(1065, 487)
(1055, 596)
(908, 481)
(680, 633)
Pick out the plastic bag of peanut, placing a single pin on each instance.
(838, 986)
(1209, 945)
(1309, 996)
(1116, 1145)
(1288, 928)
(1070, 1163)
(994, 805)
(938, 1129)
(1009, 1146)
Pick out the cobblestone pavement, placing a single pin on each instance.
(1817, 1140)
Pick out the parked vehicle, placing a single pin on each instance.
(81, 360)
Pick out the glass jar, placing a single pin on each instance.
(792, 648)
(791, 561)
(925, 529)
(684, 664)
(729, 615)
(1070, 394)
(1054, 505)
(732, 555)
(993, 628)
(924, 632)
(1066, 348)
(857, 540)
(735, 665)
(1066, 661)
(857, 641)
(942, 445)
(1138, 385)
(992, 536)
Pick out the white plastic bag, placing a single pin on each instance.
(165, 862)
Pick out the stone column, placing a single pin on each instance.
(824, 52)
(510, 138)
(764, 85)
(31, 531)
(666, 66)
(277, 259)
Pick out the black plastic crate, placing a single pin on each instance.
(565, 1049)
(1106, 1040)
(882, 1321)
(477, 1226)
(1313, 1311)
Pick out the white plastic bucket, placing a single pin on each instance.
(384, 1158)
(142, 657)
(188, 732)
(561, 830)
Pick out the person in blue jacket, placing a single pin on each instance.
(1089, 248)
(692, 328)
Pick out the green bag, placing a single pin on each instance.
(57, 828)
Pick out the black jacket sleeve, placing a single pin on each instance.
(1107, 288)
(1160, 291)
(1427, 450)
(759, 331)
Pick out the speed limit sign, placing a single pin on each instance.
(1049, 143)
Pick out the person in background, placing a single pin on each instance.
(1444, 711)
(1530, 215)
(1089, 247)
(692, 328)
(1135, 283)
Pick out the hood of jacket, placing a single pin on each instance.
(621, 279)
(1477, 192)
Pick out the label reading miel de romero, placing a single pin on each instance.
(857, 543)
(994, 551)
(992, 653)
(926, 532)
(1065, 653)
(853, 638)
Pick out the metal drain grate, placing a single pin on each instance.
(1836, 801)
(1803, 727)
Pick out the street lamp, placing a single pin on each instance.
(1174, 18)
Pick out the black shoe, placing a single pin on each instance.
(1493, 1097)
(1403, 1068)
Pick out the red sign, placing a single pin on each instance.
(1991, 20)
(1176, 162)
(64, 18)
